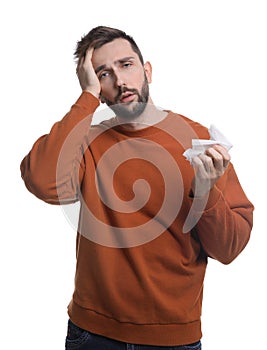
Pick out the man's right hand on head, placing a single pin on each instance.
(86, 74)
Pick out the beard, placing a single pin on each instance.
(133, 109)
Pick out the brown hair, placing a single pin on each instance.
(100, 36)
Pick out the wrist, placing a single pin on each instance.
(93, 92)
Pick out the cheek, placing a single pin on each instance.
(139, 77)
(107, 90)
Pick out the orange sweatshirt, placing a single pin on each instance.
(142, 241)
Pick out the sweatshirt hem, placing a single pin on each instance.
(164, 334)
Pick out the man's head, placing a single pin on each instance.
(102, 35)
(120, 68)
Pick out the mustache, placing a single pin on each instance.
(125, 89)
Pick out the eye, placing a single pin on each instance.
(103, 75)
(127, 64)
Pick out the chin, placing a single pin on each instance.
(129, 111)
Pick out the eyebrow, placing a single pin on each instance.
(121, 60)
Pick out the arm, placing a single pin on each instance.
(225, 224)
(48, 173)
(53, 172)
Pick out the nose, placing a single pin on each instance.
(119, 81)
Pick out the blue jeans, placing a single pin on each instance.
(79, 339)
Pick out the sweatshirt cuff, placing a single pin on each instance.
(88, 101)
(207, 202)
(213, 196)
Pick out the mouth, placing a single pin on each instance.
(127, 97)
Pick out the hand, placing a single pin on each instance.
(209, 167)
(86, 74)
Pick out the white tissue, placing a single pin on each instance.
(199, 146)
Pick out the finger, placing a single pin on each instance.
(207, 162)
(88, 55)
(203, 165)
(217, 159)
(225, 154)
(79, 64)
(85, 60)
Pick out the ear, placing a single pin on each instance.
(148, 71)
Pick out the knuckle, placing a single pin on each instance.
(209, 161)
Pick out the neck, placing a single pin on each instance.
(150, 116)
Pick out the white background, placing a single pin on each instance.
(209, 63)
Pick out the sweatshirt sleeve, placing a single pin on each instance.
(225, 224)
(53, 169)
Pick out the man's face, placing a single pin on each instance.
(124, 80)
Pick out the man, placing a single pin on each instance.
(149, 219)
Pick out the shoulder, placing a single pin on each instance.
(102, 129)
(188, 126)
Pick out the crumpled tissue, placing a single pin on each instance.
(199, 146)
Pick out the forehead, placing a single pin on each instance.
(111, 52)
